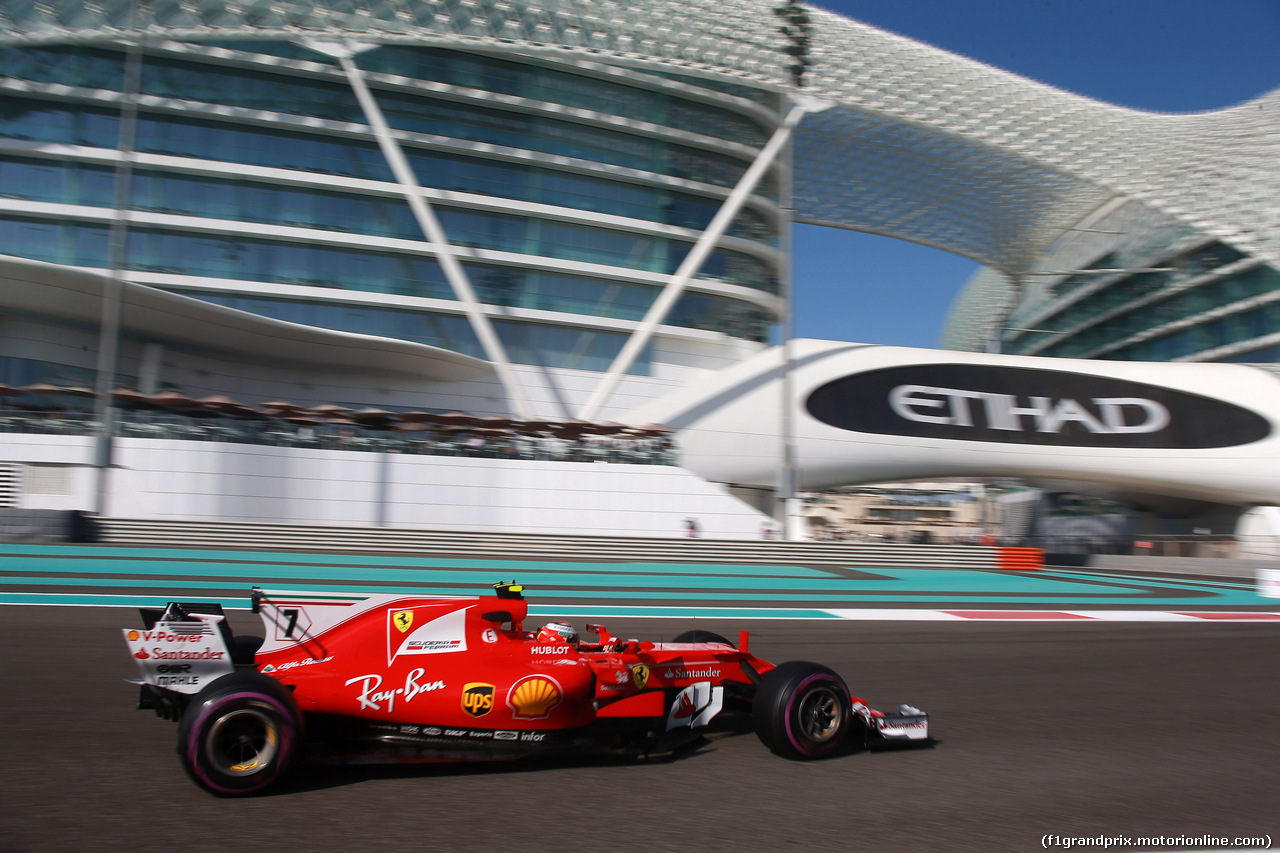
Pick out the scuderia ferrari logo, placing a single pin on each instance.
(640, 675)
(402, 620)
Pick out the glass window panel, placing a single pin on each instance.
(62, 242)
(286, 263)
(550, 346)
(540, 83)
(279, 149)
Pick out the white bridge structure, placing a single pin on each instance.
(1175, 438)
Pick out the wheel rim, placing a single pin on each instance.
(821, 714)
(242, 742)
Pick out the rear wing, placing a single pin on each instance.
(181, 648)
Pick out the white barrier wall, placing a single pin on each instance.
(1258, 534)
(186, 480)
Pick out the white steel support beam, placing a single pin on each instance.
(693, 262)
(113, 282)
(789, 474)
(427, 220)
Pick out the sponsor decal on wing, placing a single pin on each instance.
(179, 656)
(695, 706)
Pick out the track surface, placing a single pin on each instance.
(1075, 729)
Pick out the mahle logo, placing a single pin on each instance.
(477, 698)
(1014, 405)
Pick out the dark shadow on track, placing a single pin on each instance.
(319, 774)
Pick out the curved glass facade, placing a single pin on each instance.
(1137, 287)
(569, 190)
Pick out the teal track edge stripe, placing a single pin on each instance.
(319, 561)
(606, 611)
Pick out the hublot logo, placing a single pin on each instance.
(1024, 406)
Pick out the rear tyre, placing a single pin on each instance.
(239, 735)
(697, 635)
(802, 710)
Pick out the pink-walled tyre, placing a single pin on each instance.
(697, 635)
(802, 710)
(239, 735)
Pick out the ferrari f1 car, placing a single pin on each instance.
(429, 678)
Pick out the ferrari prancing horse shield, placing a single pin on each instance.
(403, 620)
(640, 675)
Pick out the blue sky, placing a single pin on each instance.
(1160, 55)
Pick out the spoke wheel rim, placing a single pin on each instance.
(821, 714)
(242, 742)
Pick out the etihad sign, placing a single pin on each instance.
(1110, 415)
(1016, 405)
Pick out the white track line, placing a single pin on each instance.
(891, 615)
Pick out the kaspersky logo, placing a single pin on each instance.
(477, 698)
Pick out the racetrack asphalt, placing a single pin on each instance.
(1074, 729)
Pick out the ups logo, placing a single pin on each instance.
(477, 698)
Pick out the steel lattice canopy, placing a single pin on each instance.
(922, 144)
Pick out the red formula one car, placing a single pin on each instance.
(428, 678)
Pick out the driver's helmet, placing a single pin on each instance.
(558, 632)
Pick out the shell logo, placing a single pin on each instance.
(533, 697)
(133, 636)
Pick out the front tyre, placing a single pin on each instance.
(239, 735)
(697, 635)
(802, 710)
